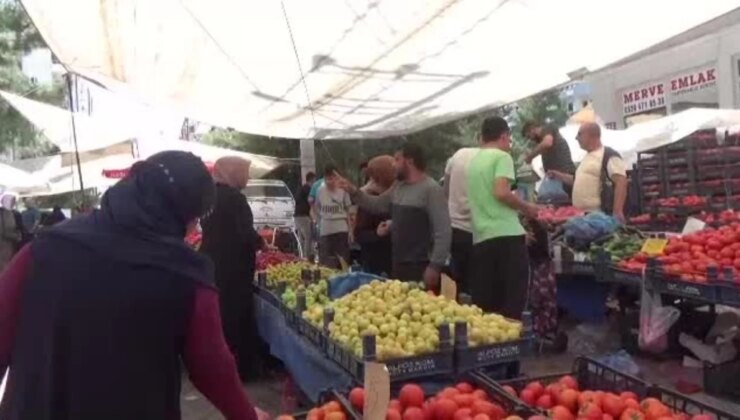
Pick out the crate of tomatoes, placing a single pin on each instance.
(592, 390)
(333, 406)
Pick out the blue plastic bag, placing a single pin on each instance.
(344, 284)
(551, 191)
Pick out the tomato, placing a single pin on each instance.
(696, 248)
(726, 262)
(727, 253)
(632, 414)
(714, 244)
(713, 253)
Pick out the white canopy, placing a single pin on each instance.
(670, 129)
(17, 180)
(56, 125)
(348, 68)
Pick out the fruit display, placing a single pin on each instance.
(316, 294)
(290, 272)
(266, 259)
(688, 257)
(686, 201)
(460, 402)
(563, 399)
(332, 410)
(558, 215)
(404, 320)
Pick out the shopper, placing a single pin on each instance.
(372, 231)
(456, 190)
(333, 205)
(10, 234)
(553, 148)
(500, 267)
(56, 216)
(600, 183)
(302, 216)
(31, 216)
(230, 240)
(420, 231)
(97, 314)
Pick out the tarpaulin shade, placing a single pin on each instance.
(348, 68)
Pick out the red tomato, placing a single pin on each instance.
(727, 253)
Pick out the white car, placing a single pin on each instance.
(271, 201)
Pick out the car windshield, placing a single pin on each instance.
(277, 191)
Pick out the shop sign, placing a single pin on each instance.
(693, 81)
(643, 98)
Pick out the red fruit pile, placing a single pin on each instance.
(461, 402)
(267, 259)
(329, 411)
(688, 201)
(690, 256)
(558, 215)
(563, 401)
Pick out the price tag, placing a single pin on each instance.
(654, 246)
(448, 288)
(692, 225)
(377, 391)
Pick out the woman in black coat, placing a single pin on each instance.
(231, 241)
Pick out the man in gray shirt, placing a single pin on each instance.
(420, 221)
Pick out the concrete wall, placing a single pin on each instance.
(717, 48)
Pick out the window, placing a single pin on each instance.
(277, 191)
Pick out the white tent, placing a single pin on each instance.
(17, 180)
(56, 125)
(347, 68)
(670, 129)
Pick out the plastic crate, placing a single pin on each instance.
(614, 274)
(729, 294)
(441, 362)
(590, 374)
(684, 404)
(314, 334)
(469, 358)
(661, 282)
(332, 395)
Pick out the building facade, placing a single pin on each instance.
(698, 68)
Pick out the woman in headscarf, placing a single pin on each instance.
(372, 231)
(10, 232)
(97, 314)
(56, 216)
(231, 241)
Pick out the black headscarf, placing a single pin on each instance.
(143, 218)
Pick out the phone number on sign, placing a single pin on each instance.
(644, 106)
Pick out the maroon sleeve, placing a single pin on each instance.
(209, 361)
(11, 283)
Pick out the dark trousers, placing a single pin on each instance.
(500, 275)
(409, 271)
(333, 246)
(461, 253)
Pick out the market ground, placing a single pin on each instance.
(269, 395)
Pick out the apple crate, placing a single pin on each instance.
(271, 296)
(400, 369)
(470, 358)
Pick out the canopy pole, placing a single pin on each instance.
(72, 105)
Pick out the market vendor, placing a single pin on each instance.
(600, 182)
(553, 148)
(420, 222)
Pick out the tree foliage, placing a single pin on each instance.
(439, 142)
(18, 36)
